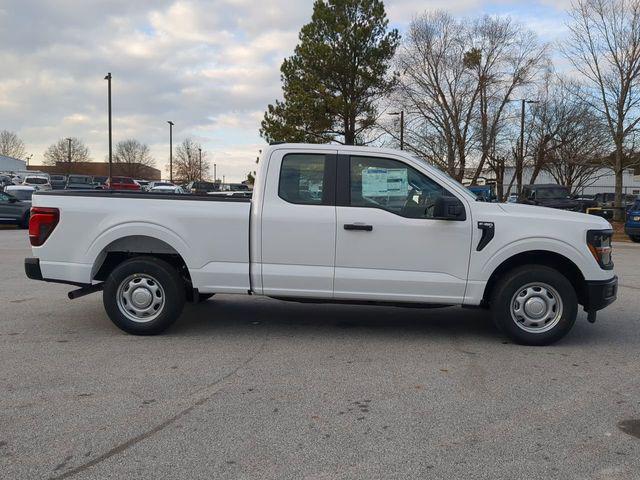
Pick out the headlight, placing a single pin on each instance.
(599, 243)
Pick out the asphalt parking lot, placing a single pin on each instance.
(255, 388)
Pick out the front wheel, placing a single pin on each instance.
(534, 305)
(144, 296)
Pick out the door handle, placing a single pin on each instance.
(358, 226)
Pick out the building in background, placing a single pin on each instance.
(100, 169)
(10, 164)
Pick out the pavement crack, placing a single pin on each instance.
(208, 395)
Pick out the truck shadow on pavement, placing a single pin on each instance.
(227, 313)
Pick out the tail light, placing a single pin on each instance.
(41, 223)
(599, 243)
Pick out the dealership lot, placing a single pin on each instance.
(247, 387)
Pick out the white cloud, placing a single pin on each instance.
(211, 66)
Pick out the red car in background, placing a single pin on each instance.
(122, 183)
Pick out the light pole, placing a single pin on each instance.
(520, 156)
(401, 114)
(69, 157)
(200, 154)
(108, 79)
(170, 150)
(215, 176)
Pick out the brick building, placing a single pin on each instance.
(101, 169)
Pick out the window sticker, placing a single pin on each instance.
(383, 182)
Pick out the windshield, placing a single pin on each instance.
(464, 189)
(36, 180)
(554, 192)
(57, 177)
(24, 195)
(162, 184)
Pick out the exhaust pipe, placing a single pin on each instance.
(81, 292)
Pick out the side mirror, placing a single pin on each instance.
(449, 208)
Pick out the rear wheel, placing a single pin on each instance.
(534, 305)
(144, 296)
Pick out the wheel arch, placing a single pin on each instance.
(127, 247)
(547, 258)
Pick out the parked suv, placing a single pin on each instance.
(58, 182)
(632, 225)
(201, 188)
(79, 182)
(550, 195)
(39, 182)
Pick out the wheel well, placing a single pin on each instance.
(540, 257)
(126, 248)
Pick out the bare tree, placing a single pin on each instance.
(456, 78)
(604, 46)
(11, 145)
(186, 162)
(133, 158)
(66, 153)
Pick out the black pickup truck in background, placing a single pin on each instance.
(553, 196)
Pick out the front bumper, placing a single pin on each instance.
(601, 294)
(632, 231)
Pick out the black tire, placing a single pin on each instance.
(24, 224)
(162, 284)
(635, 239)
(203, 297)
(534, 279)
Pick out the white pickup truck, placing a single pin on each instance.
(327, 223)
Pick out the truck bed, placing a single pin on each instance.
(210, 232)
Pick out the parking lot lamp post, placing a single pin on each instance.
(69, 156)
(108, 79)
(215, 176)
(170, 150)
(401, 114)
(200, 155)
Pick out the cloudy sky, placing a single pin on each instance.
(210, 66)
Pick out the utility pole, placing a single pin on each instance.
(200, 153)
(401, 114)
(170, 150)
(69, 157)
(520, 155)
(108, 79)
(215, 175)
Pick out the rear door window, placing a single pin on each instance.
(302, 179)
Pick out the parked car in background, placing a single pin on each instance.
(5, 181)
(100, 182)
(79, 182)
(202, 188)
(58, 182)
(37, 181)
(144, 184)
(484, 193)
(549, 195)
(169, 188)
(21, 192)
(632, 225)
(608, 200)
(122, 183)
(13, 210)
(512, 198)
(159, 183)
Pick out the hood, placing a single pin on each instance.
(535, 211)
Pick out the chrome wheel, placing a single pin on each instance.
(536, 308)
(140, 298)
